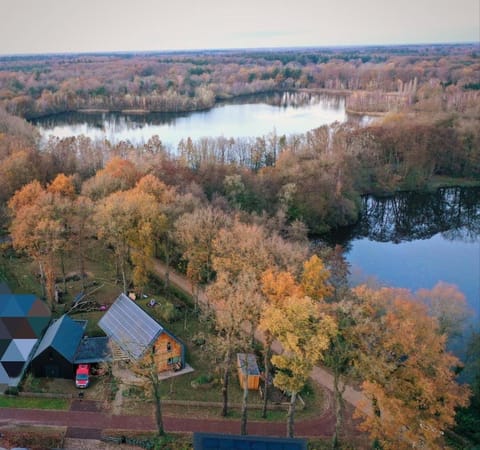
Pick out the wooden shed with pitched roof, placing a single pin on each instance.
(248, 370)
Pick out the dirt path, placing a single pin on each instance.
(319, 374)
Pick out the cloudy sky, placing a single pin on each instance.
(50, 26)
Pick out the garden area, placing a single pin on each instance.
(173, 310)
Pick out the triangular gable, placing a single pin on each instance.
(13, 368)
(39, 309)
(4, 377)
(4, 343)
(38, 324)
(25, 346)
(11, 308)
(19, 328)
(12, 353)
(25, 302)
(4, 300)
(64, 336)
(4, 331)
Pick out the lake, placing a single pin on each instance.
(410, 240)
(415, 240)
(285, 113)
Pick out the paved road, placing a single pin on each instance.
(319, 374)
(92, 418)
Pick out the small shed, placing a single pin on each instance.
(247, 369)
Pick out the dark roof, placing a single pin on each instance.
(248, 362)
(63, 335)
(210, 441)
(93, 350)
(130, 327)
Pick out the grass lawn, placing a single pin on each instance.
(34, 403)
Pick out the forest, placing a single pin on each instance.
(235, 216)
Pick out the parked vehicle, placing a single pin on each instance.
(82, 376)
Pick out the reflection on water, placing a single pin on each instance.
(415, 240)
(454, 212)
(285, 113)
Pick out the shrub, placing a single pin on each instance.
(168, 312)
(11, 390)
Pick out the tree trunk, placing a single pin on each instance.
(64, 276)
(124, 277)
(339, 408)
(42, 278)
(291, 415)
(225, 383)
(158, 402)
(243, 424)
(82, 266)
(266, 363)
(195, 292)
(167, 271)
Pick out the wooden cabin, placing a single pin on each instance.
(248, 371)
(136, 333)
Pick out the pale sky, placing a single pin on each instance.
(51, 26)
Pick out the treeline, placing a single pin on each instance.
(316, 178)
(42, 85)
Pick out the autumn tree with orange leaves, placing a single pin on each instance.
(409, 377)
(40, 227)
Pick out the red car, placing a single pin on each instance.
(82, 376)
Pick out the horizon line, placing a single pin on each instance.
(235, 49)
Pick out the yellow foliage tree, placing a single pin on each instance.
(315, 279)
(304, 333)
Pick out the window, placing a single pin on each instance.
(170, 361)
(169, 346)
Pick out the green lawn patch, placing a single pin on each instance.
(34, 403)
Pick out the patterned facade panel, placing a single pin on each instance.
(25, 346)
(38, 325)
(25, 302)
(4, 343)
(11, 308)
(39, 309)
(4, 331)
(13, 368)
(19, 328)
(12, 353)
(4, 378)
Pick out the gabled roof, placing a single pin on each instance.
(64, 336)
(130, 327)
(248, 361)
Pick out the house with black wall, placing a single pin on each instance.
(55, 356)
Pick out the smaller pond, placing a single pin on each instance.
(287, 113)
(415, 240)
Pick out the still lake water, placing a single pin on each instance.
(415, 240)
(410, 240)
(287, 113)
